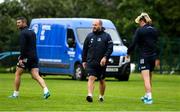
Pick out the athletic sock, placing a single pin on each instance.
(46, 90)
(16, 93)
(90, 94)
(100, 96)
(149, 95)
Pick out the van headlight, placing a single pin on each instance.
(111, 60)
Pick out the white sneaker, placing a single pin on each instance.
(143, 97)
(148, 101)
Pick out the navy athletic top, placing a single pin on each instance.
(27, 43)
(146, 38)
(96, 46)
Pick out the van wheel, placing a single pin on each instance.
(79, 73)
(123, 78)
(125, 72)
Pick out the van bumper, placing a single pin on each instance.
(116, 71)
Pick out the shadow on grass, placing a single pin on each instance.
(58, 78)
(70, 79)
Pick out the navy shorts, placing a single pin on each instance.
(97, 71)
(147, 63)
(29, 63)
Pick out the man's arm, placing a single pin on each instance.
(22, 45)
(108, 52)
(109, 47)
(84, 52)
(133, 45)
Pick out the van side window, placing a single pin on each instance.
(70, 38)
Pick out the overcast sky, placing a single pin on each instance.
(1, 1)
(4, 0)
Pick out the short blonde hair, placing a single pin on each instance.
(144, 16)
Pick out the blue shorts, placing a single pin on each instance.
(97, 71)
(147, 63)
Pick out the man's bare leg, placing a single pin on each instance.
(17, 82)
(91, 80)
(40, 80)
(146, 75)
(102, 87)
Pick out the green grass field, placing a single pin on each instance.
(69, 95)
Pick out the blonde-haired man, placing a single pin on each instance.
(146, 38)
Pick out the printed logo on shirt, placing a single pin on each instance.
(99, 39)
(141, 61)
(110, 41)
(143, 67)
(91, 40)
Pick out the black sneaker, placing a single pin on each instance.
(101, 99)
(89, 99)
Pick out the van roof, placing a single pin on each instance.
(72, 22)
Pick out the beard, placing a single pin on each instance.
(96, 30)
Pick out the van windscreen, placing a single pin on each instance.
(83, 32)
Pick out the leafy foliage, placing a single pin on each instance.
(164, 13)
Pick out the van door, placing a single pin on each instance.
(51, 49)
(71, 44)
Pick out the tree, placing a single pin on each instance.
(169, 16)
(9, 11)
